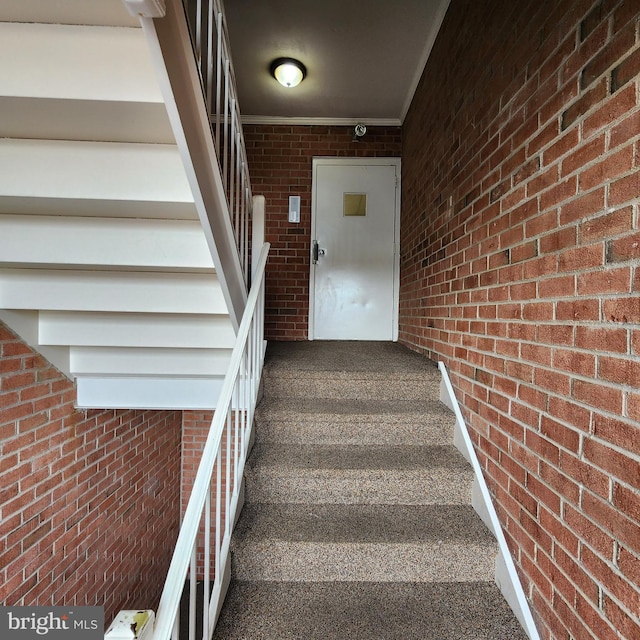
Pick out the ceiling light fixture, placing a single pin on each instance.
(288, 71)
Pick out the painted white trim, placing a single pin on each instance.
(506, 575)
(358, 162)
(332, 122)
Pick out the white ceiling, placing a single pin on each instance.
(364, 58)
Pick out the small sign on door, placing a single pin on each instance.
(355, 204)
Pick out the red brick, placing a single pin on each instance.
(598, 396)
(589, 531)
(608, 56)
(561, 334)
(612, 109)
(620, 370)
(617, 431)
(582, 207)
(616, 463)
(554, 381)
(577, 575)
(563, 486)
(581, 157)
(629, 565)
(543, 447)
(625, 189)
(559, 193)
(561, 434)
(592, 615)
(605, 282)
(633, 406)
(625, 248)
(625, 130)
(578, 310)
(582, 258)
(558, 240)
(625, 310)
(610, 224)
(593, 317)
(627, 70)
(621, 620)
(610, 167)
(585, 103)
(627, 500)
(560, 287)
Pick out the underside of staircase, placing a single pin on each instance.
(358, 520)
(105, 266)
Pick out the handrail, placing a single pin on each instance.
(210, 41)
(170, 46)
(233, 418)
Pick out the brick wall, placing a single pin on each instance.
(520, 268)
(280, 163)
(89, 503)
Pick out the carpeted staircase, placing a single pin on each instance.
(357, 522)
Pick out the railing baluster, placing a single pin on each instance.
(218, 537)
(193, 586)
(227, 479)
(207, 566)
(232, 173)
(224, 114)
(225, 142)
(218, 112)
(209, 83)
(198, 43)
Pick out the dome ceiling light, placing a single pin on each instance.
(289, 72)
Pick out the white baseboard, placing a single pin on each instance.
(506, 576)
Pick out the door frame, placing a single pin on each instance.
(397, 163)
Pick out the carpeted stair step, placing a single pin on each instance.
(357, 520)
(264, 610)
(353, 385)
(351, 370)
(352, 474)
(382, 543)
(343, 422)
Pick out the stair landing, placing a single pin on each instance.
(358, 520)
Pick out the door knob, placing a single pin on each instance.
(317, 251)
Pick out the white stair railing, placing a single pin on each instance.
(210, 40)
(202, 548)
(189, 49)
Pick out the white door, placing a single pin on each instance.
(354, 265)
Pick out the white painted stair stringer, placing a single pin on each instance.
(506, 575)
